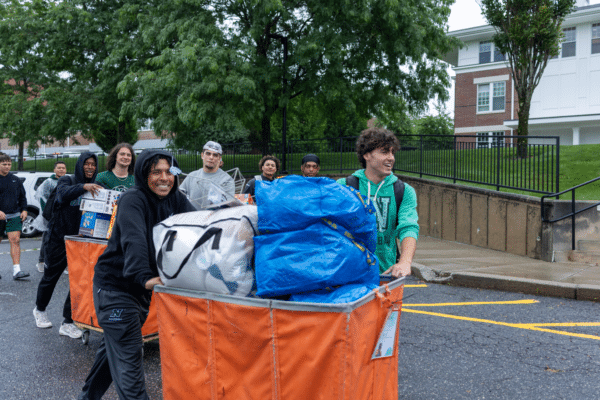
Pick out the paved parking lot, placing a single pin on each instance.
(470, 343)
(455, 343)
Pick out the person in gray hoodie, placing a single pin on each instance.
(126, 274)
(65, 221)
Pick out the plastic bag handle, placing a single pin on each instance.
(170, 236)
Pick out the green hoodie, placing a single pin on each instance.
(382, 195)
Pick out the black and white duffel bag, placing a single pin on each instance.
(208, 250)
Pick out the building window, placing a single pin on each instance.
(487, 140)
(487, 50)
(568, 43)
(595, 38)
(497, 101)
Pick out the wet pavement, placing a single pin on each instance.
(460, 264)
(39, 363)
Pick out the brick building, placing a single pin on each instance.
(566, 103)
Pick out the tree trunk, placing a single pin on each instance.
(523, 128)
(265, 135)
(20, 157)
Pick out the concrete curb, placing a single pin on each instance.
(509, 284)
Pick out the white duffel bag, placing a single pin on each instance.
(208, 250)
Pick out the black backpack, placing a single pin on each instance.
(352, 181)
(49, 208)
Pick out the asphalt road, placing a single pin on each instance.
(39, 363)
(522, 349)
(512, 346)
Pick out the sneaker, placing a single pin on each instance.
(20, 275)
(70, 330)
(66, 271)
(40, 267)
(41, 319)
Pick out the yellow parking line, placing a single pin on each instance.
(422, 285)
(531, 327)
(472, 303)
(568, 324)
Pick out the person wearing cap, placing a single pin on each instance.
(198, 185)
(310, 165)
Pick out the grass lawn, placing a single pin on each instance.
(578, 164)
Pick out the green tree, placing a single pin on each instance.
(529, 33)
(222, 63)
(77, 45)
(23, 74)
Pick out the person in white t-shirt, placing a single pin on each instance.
(197, 185)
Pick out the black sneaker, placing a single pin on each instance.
(20, 275)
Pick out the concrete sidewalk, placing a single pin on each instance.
(465, 265)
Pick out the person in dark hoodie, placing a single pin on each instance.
(126, 274)
(268, 165)
(65, 221)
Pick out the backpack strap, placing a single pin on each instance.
(352, 181)
(399, 194)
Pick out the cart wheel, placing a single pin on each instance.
(85, 336)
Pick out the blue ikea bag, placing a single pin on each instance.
(294, 202)
(342, 294)
(313, 258)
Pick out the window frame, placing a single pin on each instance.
(492, 88)
(491, 140)
(565, 43)
(493, 53)
(597, 38)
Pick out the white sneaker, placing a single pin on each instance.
(40, 267)
(66, 271)
(70, 330)
(41, 319)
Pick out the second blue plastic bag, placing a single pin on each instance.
(311, 259)
(294, 202)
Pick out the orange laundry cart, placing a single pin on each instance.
(223, 347)
(82, 255)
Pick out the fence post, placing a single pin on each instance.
(290, 148)
(421, 157)
(234, 164)
(497, 164)
(454, 159)
(341, 154)
(557, 165)
(573, 219)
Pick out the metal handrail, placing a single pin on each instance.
(573, 212)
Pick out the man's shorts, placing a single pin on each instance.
(12, 225)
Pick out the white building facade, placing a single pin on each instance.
(566, 103)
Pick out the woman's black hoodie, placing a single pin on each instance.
(129, 260)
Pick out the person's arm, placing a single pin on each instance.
(249, 189)
(67, 192)
(22, 201)
(408, 248)
(407, 232)
(131, 220)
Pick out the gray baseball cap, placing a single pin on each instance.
(213, 146)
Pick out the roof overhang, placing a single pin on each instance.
(486, 32)
(570, 121)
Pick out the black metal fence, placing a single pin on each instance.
(492, 160)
